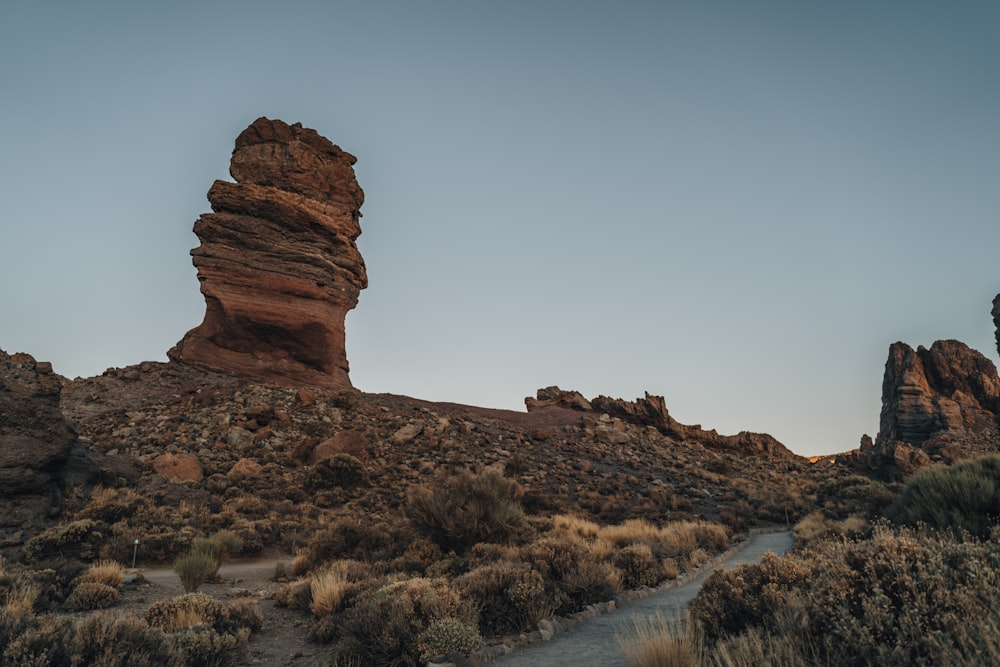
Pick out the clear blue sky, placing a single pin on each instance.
(737, 205)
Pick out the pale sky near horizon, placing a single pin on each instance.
(736, 205)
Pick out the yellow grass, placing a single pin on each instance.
(107, 572)
(328, 588)
(658, 642)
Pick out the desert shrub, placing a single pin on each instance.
(349, 538)
(449, 635)
(112, 505)
(855, 494)
(19, 595)
(208, 648)
(511, 597)
(327, 590)
(79, 539)
(458, 511)
(961, 497)
(90, 595)
(174, 614)
(656, 641)
(219, 547)
(295, 595)
(573, 575)
(48, 642)
(900, 597)
(118, 641)
(194, 569)
(816, 526)
(245, 613)
(638, 566)
(733, 600)
(340, 470)
(107, 572)
(385, 626)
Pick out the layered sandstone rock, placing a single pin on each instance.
(652, 411)
(35, 443)
(278, 262)
(949, 391)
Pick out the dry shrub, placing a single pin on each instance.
(460, 510)
(350, 538)
(329, 587)
(90, 595)
(671, 570)
(511, 597)
(658, 642)
(113, 505)
(638, 566)
(208, 648)
(899, 597)
(575, 526)
(107, 640)
(43, 642)
(20, 597)
(816, 526)
(107, 572)
(184, 612)
(341, 470)
(573, 576)
(80, 539)
(245, 613)
(385, 626)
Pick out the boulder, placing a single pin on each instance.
(178, 468)
(278, 262)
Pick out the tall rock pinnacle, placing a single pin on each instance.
(278, 262)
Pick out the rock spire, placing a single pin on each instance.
(278, 262)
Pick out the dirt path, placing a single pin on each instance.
(593, 642)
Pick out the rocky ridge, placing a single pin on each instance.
(278, 262)
(652, 411)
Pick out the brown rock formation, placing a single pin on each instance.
(652, 411)
(947, 392)
(996, 320)
(278, 263)
(35, 443)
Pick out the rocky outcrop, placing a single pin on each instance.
(948, 392)
(35, 443)
(652, 411)
(278, 262)
(996, 320)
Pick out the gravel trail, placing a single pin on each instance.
(593, 642)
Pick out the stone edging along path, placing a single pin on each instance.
(569, 641)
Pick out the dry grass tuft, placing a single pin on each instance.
(108, 572)
(658, 642)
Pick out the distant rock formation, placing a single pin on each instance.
(652, 411)
(996, 320)
(35, 443)
(948, 391)
(278, 262)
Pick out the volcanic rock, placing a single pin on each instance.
(949, 391)
(652, 411)
(996, 319)
(278, 262)
(35, 441)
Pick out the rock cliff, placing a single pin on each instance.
(948, 391)
(278, 263)
(35, 443)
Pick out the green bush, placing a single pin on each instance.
(449, 635)
(194, 569)
(458, 511)
(961, 497)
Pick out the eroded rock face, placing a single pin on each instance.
(278, 262)
(996, 320)
(35, 442)
(948, 391)
(652, 411)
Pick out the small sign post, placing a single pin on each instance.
(135, 550)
